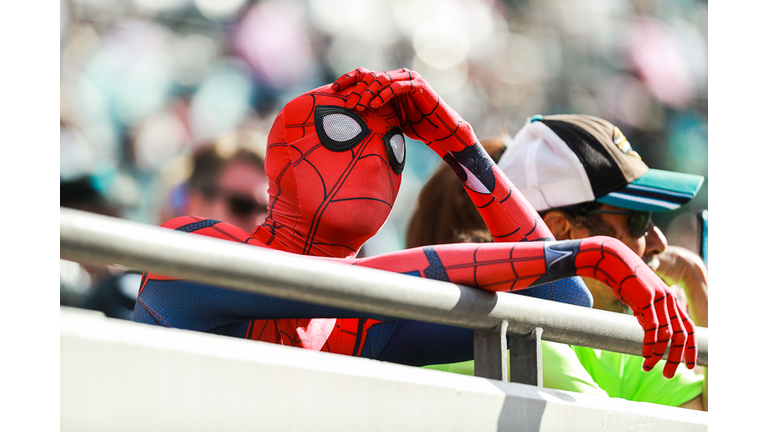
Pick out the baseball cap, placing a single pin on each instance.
(561, 160)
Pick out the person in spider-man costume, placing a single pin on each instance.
(334, 160)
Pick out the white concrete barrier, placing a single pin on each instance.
(118, 375)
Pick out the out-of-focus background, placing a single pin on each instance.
(144, 82)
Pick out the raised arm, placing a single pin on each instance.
(427, 118)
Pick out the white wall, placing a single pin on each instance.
(117, 375)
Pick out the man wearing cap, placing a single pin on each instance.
(582, 175)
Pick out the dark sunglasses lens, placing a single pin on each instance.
(639, 222)
(242, 206)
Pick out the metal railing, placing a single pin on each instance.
(97, 239)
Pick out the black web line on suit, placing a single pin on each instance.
(315, 225)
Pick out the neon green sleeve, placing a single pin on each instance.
(622, 375)
(463, 368)
(606, 373)
(563, 371)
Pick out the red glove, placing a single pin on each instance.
(611, 262)
(425, 117)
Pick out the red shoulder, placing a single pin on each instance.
(207, 227)
(180, 221)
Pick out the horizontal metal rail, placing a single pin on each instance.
(91, 238)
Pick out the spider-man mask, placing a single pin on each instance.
(333, 174)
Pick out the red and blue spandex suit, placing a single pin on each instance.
(334, 160)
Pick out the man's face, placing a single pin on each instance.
(240, 196)
(646, 247)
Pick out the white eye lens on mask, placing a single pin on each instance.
(395, 142)
(339, 129)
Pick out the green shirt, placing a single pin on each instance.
(597, 372)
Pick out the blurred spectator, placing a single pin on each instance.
(226, 182)
(81, 194)
(115, 295)
(175, 72)
(108, 289)
(548, 175)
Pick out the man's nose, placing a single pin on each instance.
(655, 243)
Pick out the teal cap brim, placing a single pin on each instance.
(655, 191)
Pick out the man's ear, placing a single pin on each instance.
(559, 225)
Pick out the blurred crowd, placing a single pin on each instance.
(145, 83)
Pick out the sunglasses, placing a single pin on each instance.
(241, 205)
(639, 222)
(238, 204)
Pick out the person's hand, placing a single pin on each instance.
(684, 268)
(423, 115)
(663, 319)
(678, 265)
